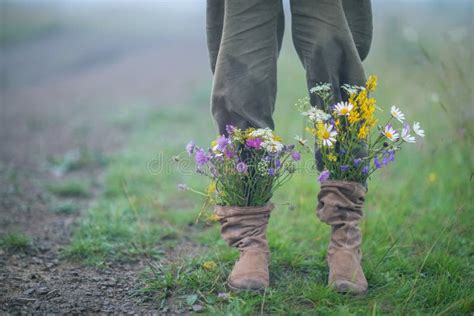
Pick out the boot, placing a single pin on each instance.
(245, 229)
(340, 205)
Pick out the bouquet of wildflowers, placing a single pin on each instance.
(350, 143)
(245, 167)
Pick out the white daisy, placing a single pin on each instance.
(396, 113)
(406, 134)
(417, 129)
(328, 135)
(343, 108)
(316, 115)
(390, 133)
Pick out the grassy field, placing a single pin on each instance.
(418, 216)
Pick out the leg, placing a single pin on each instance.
(359, 17)
(325, 45)
(244, 87)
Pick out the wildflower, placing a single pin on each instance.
(390, 133)
(211, 188)
(397, 114)
(254, 143)
(406, 134)
(295, 156)
(371, 83)
(263, 133)
(321, 87)
(272, 146)
(222, 143)
(201, 158)
(417, 129)
(229, 153)
(214, 217)
(377, 163)
(262, 167)
(209, 265)
(365, 170)
(357, 162)
(326, 134)
(432, 177)
(271, 172)
(324, 175)
(332, 157)
(241, 167)
(344, 168)
(316, 115)
(363, 132)
(190, 148)
(301, 140)
(353, 117)
(277, 163)
(343, 108)
(182, 187)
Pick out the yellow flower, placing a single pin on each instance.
(211, 188)
(213, 218)
(277, 138)
(353, 117)
(332, 157)
(371, 83)
(311, 130)
(432, 177)
(209, 265)
(213, 143)
(363, 132)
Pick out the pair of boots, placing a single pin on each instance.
(340, 205)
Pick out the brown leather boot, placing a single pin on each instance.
(245, 228)
(340, 205)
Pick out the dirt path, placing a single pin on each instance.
(59, 95)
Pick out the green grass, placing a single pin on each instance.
(417, 230)
(15, 242)
(70, 188)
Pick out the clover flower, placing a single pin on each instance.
(343, 108)
(397, 114)
(241, 167)
(296, 156)
(390, 133)
(190, 148)
(417, 129)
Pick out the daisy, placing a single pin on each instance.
(396, 113)
(390, 133)
(343, 108)
(417, 129)
(406, 134)
(327, 135)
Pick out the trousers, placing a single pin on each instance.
(244, 38)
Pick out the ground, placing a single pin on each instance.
(91, 221)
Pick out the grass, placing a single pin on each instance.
(15, 242)
(70, 188)
(418, 216)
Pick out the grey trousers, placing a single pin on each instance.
(244, 38)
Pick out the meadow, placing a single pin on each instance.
(417, 227)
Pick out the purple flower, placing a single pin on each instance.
(254, 143)
(344, 168)
(324, 175)
(229, 129)
(201, 158)
(241, 167)
(277, 163)
(391, 155)
(365, 170)
(295, 156)
(267, 158)
(271, 172)
(377, 163)
(222, 142)
(357, 162)
(190, 148)
(228, 153)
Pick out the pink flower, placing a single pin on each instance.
(254, 143)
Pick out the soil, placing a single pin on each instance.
(50, 106)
